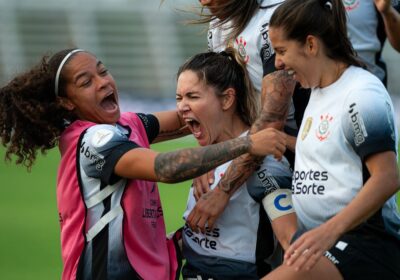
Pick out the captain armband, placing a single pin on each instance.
(278, 203)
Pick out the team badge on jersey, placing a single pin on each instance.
(322, 131)
(306, 128)
(351, 4)
(241, 47)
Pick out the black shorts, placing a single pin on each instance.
(363, 256)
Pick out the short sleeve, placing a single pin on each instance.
(100, 149)
(269, 177)
(368, 122)
(271, 186)
(151, 125)
(268, 64)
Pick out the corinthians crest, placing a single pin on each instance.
(322, 132)
(241, 47)
(351, 4)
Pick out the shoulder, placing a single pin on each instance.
(101, 134)
(363, 84)
(366, 94)
(358, 81)
(269, 177)
(368, 117)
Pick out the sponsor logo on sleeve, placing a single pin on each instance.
(267, 181)
(357, 122)
(92, 156)
(266, 49)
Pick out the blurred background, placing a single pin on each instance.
(142, 43)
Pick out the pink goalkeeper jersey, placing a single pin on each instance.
(111, 227)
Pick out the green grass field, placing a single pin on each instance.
(29, 234)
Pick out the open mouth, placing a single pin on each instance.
(109, 102)
(194, 127)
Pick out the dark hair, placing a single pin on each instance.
(238, 12)
(31, 117)
(325, 19)
(222, 71)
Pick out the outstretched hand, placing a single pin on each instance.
(268, 141)
(208, 208)
(305, 252)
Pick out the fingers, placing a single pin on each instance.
(207, 210)
(211, 178)
(197, 219)
(280, 146)
(312, 259)
(210, 223)
(295, 251)
(192, 220)
(197, 222)
(201, 224)
(196, 193)
(302, 257)
(201, 184)
(269, 141)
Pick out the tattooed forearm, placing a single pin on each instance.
(172, 134)
(185, 164)
(173, 128)
(238, 172)
(277, 90)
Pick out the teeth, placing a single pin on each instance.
(290, 72)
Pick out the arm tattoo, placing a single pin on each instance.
(172, 134)
(238, 172)
(277, 90)
(185, 164)
(180, 131)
